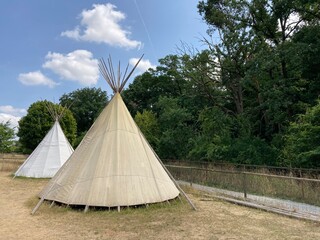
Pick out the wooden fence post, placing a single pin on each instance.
(191, 180)
(206, 176)
(302, 189)
(244, 182)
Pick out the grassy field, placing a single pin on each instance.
(214, 219)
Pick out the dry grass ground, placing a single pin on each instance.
(214, 219)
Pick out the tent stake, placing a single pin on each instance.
(86, 208)
(37, 206)
(51, 204)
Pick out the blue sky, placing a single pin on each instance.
(49, 48)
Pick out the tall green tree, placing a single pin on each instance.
(86, 105)
(303, 61)
(7, 136)
(34, 126)
(227, 19)
(254, 58)
(273, 75)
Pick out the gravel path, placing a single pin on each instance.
(285, 207)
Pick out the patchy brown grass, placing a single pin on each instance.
(214, 219)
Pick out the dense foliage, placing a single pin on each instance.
(86, 105)
(248, 97)
(302, 140)
(35, 125)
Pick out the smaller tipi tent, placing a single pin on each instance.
(52, 152)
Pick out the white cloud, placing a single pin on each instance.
(75, 34)
(36, 78)
(13, 120)
(78, 66)
(11, 110)
(11, 114)
(101, 25)
(143, 66)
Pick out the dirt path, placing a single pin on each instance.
(215, 219)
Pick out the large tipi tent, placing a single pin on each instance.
(48, 157)
(114, 165)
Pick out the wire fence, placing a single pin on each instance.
(285, 171)
(11, 161)
(300, 189)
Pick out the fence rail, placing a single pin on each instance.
(298, 172)
(11, 161)
(299, 189)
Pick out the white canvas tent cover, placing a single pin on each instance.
(114, 165)
(48, 157)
